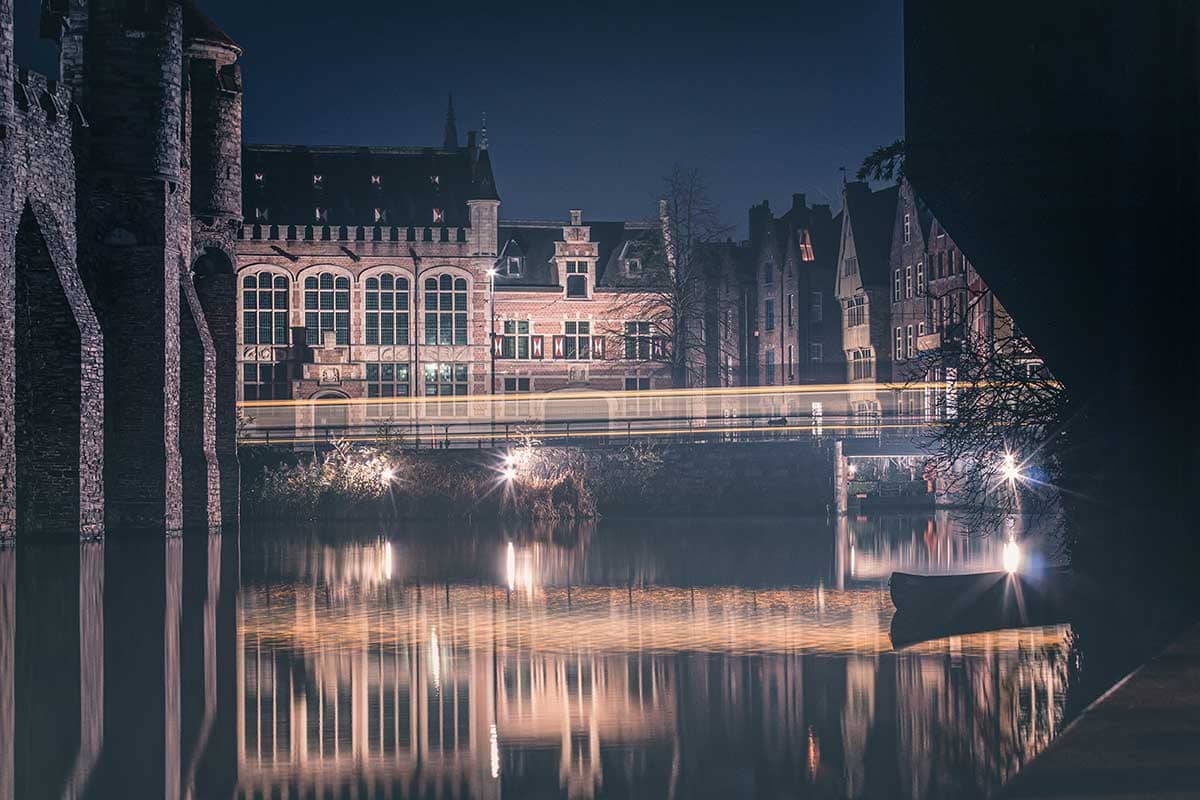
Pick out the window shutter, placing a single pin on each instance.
(660, 349)
(497, 345)
(536, 343)
(559, 344)
(598, 347)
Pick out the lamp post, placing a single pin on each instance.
(492, 277)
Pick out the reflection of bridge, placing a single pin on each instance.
(868, 410)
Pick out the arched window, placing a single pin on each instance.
(326, 308)
(265, 309)
(445, 310)
(387, 309)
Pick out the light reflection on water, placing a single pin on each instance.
(672, 658)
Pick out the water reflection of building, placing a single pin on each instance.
(349, 678)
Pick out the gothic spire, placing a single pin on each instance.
(450, 142)
(483, 142)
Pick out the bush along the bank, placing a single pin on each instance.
(357, 481)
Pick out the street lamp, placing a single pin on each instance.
(492, 277)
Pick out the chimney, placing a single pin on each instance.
(760, 220)
(798, 201)
(471, 140)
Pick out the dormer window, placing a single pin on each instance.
(633, 266)
(259, 178)
(380, 215)
(435, 180)
(318, 181)
(577, 279)
(262, 215)
(513, 266)
(439, 216)
(377, 180)
(321, 214)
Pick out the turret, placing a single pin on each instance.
(760, 221)
(216, 140)
(484, 203)
(450, 137)
(132, 86)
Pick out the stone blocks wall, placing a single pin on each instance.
(216, 140)
(51, 415)
(197, 413)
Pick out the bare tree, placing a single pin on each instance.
(999, 421)
(674, 293)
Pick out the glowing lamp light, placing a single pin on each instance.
(509, 473)
(1009, 468)
(492, 272)
(387, 475)
(852, 470)
(1011, 556)
(510, 460)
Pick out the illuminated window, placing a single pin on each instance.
(577, 279)
(445, 379)
(639, 344)
(439, 216)
(515, 340)
(265, 309)
(445, 310)
(435, 180)
(856, 311)
(577, 340)
(386, 300)
(806, 248)
(377, 180)
(318, 181)
(862, 365)
(259, 178)
(326, 308)
(265, 381)
(380, 215)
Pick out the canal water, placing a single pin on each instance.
(672, 658)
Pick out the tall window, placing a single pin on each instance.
(514, 341)
(908, 284)
(445, 379)
(265, 381)
(791, 310)
(791, 355)
(862, 365)
(920, 278)
(265, 309)
(816, 307)
(849, 266)
(638, 341)
(769, 314)
(768, 273)
(898, 346)
(770, 365)
(577, 340)
(910, 342)
(577, 278)
(326, 308)
(445, 310)
(387, 380)
(387, 309)
(907, 228)
(856, 311)
(896, 286)
(516, 385)
(816, 352)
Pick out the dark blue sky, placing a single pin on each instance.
(587, 105)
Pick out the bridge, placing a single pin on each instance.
(899, 415)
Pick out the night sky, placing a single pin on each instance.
(587, 105)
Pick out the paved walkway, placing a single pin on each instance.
(1140, 740)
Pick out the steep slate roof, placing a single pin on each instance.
(407, 188)
(872, 218)
(534, 241)
(199, 27)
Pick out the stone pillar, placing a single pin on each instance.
(8, 232)
(197, 413)
(216, 290)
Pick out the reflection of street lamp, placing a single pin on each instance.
(492, 276)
